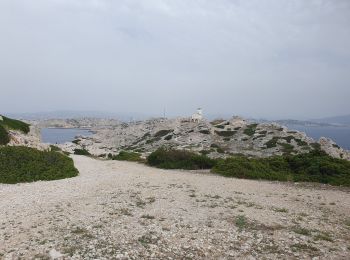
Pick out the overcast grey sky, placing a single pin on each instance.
(270, 58)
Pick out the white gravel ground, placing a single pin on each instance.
(123, 210)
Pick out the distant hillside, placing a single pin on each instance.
(343, 120)
(288, 122)
(67, 114)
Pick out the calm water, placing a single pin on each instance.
(341, 135)
(62, 135)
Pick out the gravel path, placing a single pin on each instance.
(123, 210)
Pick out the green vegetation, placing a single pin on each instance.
(272, 143)
(76, 141)
(162, 133)
(287, 148)
(241, 222)
(300, 142)
(179, 159)
(4, 136)
(225, 133)
(127, 156)
(13, 124)
(205, 152)
(205, 131)
(220, 126)
(54, 148)
(250, 130)
(7, 124)
(168, 137)
(23, 164)
(81, 152)
(315, 166)
(302, 231)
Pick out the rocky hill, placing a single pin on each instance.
(219, 138)
(17, 133)
(84, 122)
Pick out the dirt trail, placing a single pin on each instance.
(123, 210)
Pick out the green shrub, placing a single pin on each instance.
(243, 167)
(250, 130)
(288, 138)
(220, 126)
(162, 133)
(179, 159)
(225, 133)
(81, 152)
(13, 124)
(127, 156)
(23, 164)
(287, 148)
(315, 166)
(205, 152)
(54, 148)
(206, 132)
(4, 136)
(300, 142)
(76, 141)
(168, 137)
(272, 143)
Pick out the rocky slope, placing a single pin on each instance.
(17, 137)
(32, 139)
(220, 138)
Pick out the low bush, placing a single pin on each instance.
(168, 137)
(127, 156)
(13, 124)
(315, 166)
(179, 159)
(225, 133)
(250, 130)
(81, 152)
(76, 141)
(162, 133)
(55, 148)
(4, 136)
(205, 131)
(272, 143)
(287, 148)
(23, 164)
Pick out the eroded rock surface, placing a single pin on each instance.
(220, 138)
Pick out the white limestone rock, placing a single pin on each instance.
(332, 149)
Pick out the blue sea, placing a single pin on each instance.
(62, 135)
(341, 135)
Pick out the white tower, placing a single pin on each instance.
(198, 116)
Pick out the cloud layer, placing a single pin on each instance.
(274, 58)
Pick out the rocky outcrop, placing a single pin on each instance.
(331, 148)
(32, 139)
(219, 138)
